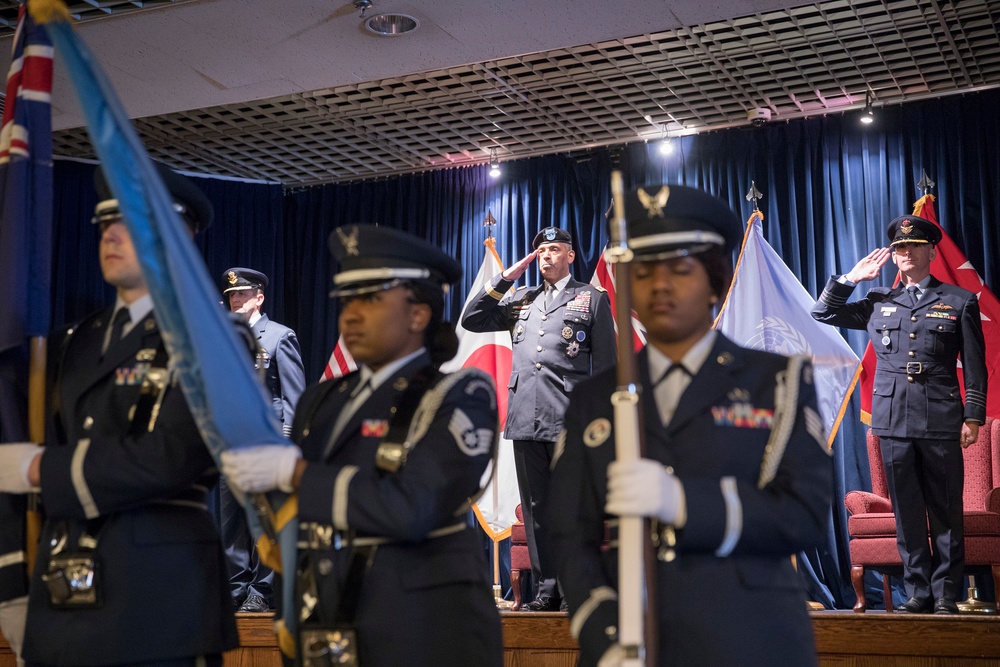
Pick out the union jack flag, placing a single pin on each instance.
(26, 187)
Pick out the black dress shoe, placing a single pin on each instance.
(945, 606)
(915, 606)
(253, 604)
(543, 604)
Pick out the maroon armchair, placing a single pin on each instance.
(872, 526)
(520, 561)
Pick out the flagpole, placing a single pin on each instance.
(36, 433)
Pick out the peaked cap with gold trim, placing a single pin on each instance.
(913, 229)
(238, 279)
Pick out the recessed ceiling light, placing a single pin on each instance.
(391, 25)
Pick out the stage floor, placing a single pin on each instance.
(843, 639)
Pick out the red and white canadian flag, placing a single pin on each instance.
(950, 266)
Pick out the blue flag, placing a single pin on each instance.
(768, 309)
(228, 401)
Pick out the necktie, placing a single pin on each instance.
(122, 317)
(549, 291)
(358, 396)
(668, 390)
(914, 297)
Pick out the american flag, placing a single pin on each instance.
(26, 187)
(604, 277)
(950, 266)
(341, 362)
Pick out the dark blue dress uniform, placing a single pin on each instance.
(554, 349)
(138, 489)
(425, 596)
(720, 601)
(283, 371)
(746, 443)
(279, 360)
(917, 408)
(426, 599)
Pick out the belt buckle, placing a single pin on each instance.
(914, 367)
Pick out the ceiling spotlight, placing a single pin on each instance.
(868, 115)
(666, 143)
(391, 25)
(494, 164)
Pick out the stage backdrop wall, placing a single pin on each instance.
(830, 186)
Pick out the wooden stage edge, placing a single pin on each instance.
(843, 639)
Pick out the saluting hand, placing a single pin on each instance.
(870, 266)
(516, 271)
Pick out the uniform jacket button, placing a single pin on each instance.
(913, 335)
(88, 423)
(539, 348)
(909, 378)
(913, 319)
(538, 366)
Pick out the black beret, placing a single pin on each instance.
(911, 229)
(189, 200)
(376, 258)
(238, 279)
(551, 235)
(665, 220)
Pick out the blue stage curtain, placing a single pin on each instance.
(830, 186)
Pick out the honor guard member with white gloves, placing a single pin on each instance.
(280, 363)
(918, 330)
(562, 332)
(391, 456)
(130, 570)
(736, 476)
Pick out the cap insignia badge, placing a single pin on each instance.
(232, 277)
(654, 203)
(550, 234)
(349, 241)
(906, 228)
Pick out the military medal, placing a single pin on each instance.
(572, 349)
(885, 339)
(567, 332)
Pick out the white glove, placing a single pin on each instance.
(263, 468)
(613, 657)
(12, 616)
(15, 459)
(645, 488)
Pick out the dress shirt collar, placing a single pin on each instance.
(137, 310)
(693, 360)
(375, 379)
(559, 285)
